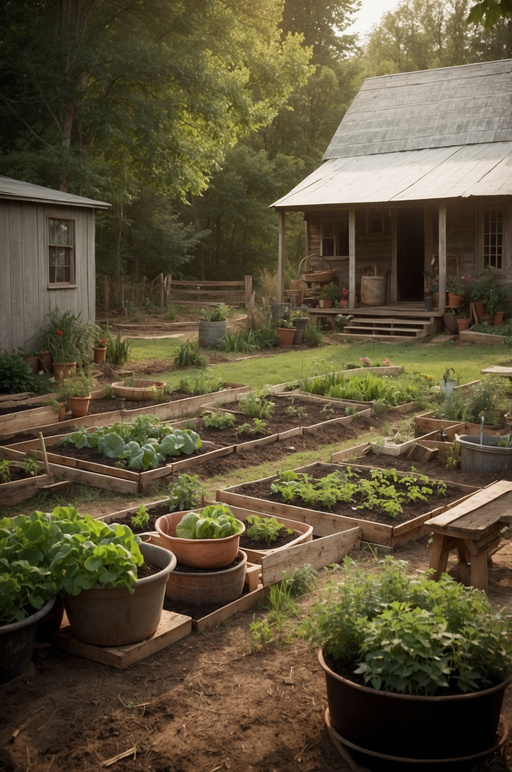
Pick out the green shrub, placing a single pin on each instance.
(313, 336)
(189, 355)
(15, 374)
(118, 349)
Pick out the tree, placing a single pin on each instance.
(490, 11)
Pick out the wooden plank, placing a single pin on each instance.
(245, 602)
(27, 419)
(317, 553)
(17, 491)
(471, 504)
(355, 450)
(96, 480)
(295, 432)
(172, 628)
(251, 444)
(192, 461)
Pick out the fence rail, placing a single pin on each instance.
(164, 290)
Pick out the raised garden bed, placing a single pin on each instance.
(328, 546)
(87, 466)
(377, 528)
(104, 411)
(22, 486)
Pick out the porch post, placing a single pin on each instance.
(352, 257)
(442, 257)
(393, 290)
(280, 257)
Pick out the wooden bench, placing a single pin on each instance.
(473, 528)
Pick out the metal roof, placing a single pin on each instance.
(433, 134)
(16, 190)
(469, 104)
(437, 173)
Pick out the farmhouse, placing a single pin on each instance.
(46, 258)
(415, 186)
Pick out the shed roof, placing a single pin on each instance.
(433, 134)
(16, 190)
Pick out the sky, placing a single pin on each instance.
(370, 14)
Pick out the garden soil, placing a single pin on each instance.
(206, 703)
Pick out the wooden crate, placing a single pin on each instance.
(324, 523)
(172, 627)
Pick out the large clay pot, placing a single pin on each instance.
(413, 727)
(497, 319)
(46, 361)
(199, 553)
(285, 335)
(373, 290)
(463, 323)
(79, 406)
(454, 301)
(17, 643)
(112, 616)
(203, 586)
(480, 309)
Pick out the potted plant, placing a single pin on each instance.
(415, 669)
(209, 538)
(285, 332)
(211, 567)
(100, 350)
(212, 325)
(344, 297)
(329, 294)
(76, 391)
(299, 319)
(457, 292)
(463, 320)
(68, 341)
(494, 295)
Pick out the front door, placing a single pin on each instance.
(410, 225)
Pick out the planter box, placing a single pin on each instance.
(22, 490)
(17, 422)
(102, 475)
(165, 411)
(323, 522)
(384, 370)
(428, 427)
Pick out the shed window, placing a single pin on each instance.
(374, 221)
(493, 238)
(61, 250)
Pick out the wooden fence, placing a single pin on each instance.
(164, 290)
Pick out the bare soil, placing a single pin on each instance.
(205, 703)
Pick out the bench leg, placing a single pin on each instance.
(479, 570)
(438, 555)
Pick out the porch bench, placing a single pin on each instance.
(472, 528)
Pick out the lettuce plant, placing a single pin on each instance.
(213, 522)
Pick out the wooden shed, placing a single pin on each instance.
(416, 183)
(47, 259)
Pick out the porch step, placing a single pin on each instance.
(388, 328)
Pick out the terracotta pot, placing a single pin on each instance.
(62, 411)
(480, 309)
(413, 727)
(62, 370)
(343, 303)
(33, 362)
(497, 319)
(100, 353)
(463, 323)
(79, 406)
(46, 361)
(17, 643)
(285, 335)
(198, 553)
(221, 586)
(111, 616)
(454, 301)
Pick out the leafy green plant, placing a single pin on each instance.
(140, 445)
(313, 336)
(217, 313)
(296, 410)
(186, 493)
(370, 387)
(67, 337)
(44, 554)
(202, 383)
(218, 420)
(141, 518)
(118, 349)
(30, 466)
(75, 386)
(16, 375)
(453, 456)
(265, 529)
(327, 410)
(256, 406)
(108, 391)
(189, 355)
(410, 634)
(214, 522)
(385, 490)
(257, 427)
(5, 474)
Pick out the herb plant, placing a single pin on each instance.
(189, 355)
(218, 420)
(203, 383)
(410, 634)
(141, 518)
(5, 474)
(16, 375)
(256, 406)
(257, 427)
(265, 529)
(186, 493)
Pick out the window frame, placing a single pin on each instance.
(335, 236)
(70, 250)
(482, 239)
